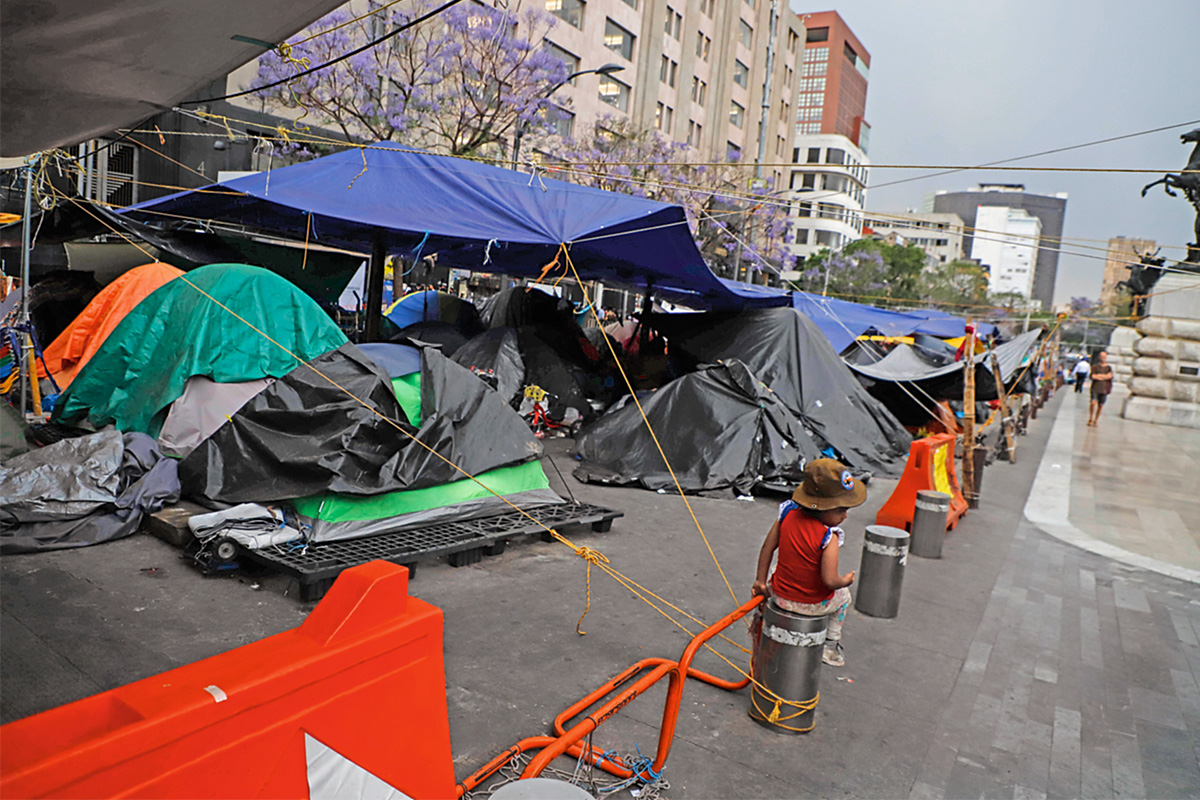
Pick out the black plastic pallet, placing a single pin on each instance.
(465, 541)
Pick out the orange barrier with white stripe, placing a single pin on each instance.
(930, 467)
(351, 703)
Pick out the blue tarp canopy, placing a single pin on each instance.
(474, 216)
(843, 321)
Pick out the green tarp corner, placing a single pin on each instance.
(199, 324)
(408, 393)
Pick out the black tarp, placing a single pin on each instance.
(720, 427)
(496, 351)
(82, 491)
(909, 380)
(304, 436)
(785, 350)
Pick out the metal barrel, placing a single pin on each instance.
(787, 661)
(885, 552)
(541, 789)
(929, 523)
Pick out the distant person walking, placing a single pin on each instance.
(1082, 368)
(1102, 381)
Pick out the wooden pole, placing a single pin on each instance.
(968, 470)
(374, 288)
(1006, 421)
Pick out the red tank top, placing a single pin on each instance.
(802, 540)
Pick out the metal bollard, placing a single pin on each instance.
(929, 523)
(885, 552)
(787, 660)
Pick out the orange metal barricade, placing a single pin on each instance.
(354, 696)
(930, 467)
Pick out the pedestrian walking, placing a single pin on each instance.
(1102, 381)
(1080, 373)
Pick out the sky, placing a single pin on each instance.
(960, 82)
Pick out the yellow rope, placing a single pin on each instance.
(307, 230)
(344, 24)
(775, 715)
(632, 393)
(591, 557)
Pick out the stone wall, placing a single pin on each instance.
(1165, 385)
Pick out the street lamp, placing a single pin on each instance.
(607, 69)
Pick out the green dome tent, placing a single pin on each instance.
(186, 328)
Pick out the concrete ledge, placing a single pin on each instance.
(1049, 503)
(1162, 412)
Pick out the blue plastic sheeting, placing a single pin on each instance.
(843, 321)
(397, 360)
(474, 216)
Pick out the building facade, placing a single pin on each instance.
(1121, 254)
(1009, 249)
(828, 179)
(939, 235)
(1049, 209)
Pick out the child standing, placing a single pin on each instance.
(806, 578)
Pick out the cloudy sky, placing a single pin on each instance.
(966, 82)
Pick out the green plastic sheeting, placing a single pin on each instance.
(178, 332)
(408, 393)
(351, 508)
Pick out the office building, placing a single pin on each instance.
(939, 235)
(1121, 254)
(1009, 249)
(829, 174)
(1049, 209)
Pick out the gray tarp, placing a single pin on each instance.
(82, 491)
(719, 426)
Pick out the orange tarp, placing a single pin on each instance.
(67, 354)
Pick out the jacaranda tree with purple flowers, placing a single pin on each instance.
(457, 83)
(733, 224)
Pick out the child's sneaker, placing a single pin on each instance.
(833, 654)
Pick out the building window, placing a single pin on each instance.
(706, 7)
(808, 114)
(667, 71)
(813, 69)
(698, 90)
(835, 155)
(803, 209)
(780, 145)
(741, 74)
(801, 235)
(703, 45)
(815, 54)
(828, 238)
(631, 3)
(564, 122)
(793, 40)
(673, 21)
(803, 181)
(613, 92)
(746, 34)
(813, 85)
(817, 35)
(736, 115)
(569, 11)
(814, 155)
(570, 61)
(749, 3)
(835, 183)
(695, 131)
(788, 76)
(848, 51)
(664, 116)
(618, 39)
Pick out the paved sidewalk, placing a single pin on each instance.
(1019, 665)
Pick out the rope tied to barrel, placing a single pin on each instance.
(776, 717)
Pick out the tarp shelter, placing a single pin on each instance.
(719, 426)
(909, 382)
(431, 305)
(473, 215)
(843, 321)
(185, 328)
(76, 345)
(786, 351)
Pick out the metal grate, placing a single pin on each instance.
(318, 566)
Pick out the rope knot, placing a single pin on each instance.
(591, 556)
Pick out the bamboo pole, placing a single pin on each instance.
(968, 469)
(1006, 421)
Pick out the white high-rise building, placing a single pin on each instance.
(827, 190)
(1006, 244)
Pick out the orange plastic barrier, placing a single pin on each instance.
(353, 698)
(930, 467)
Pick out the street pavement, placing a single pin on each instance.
(1020, 664)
